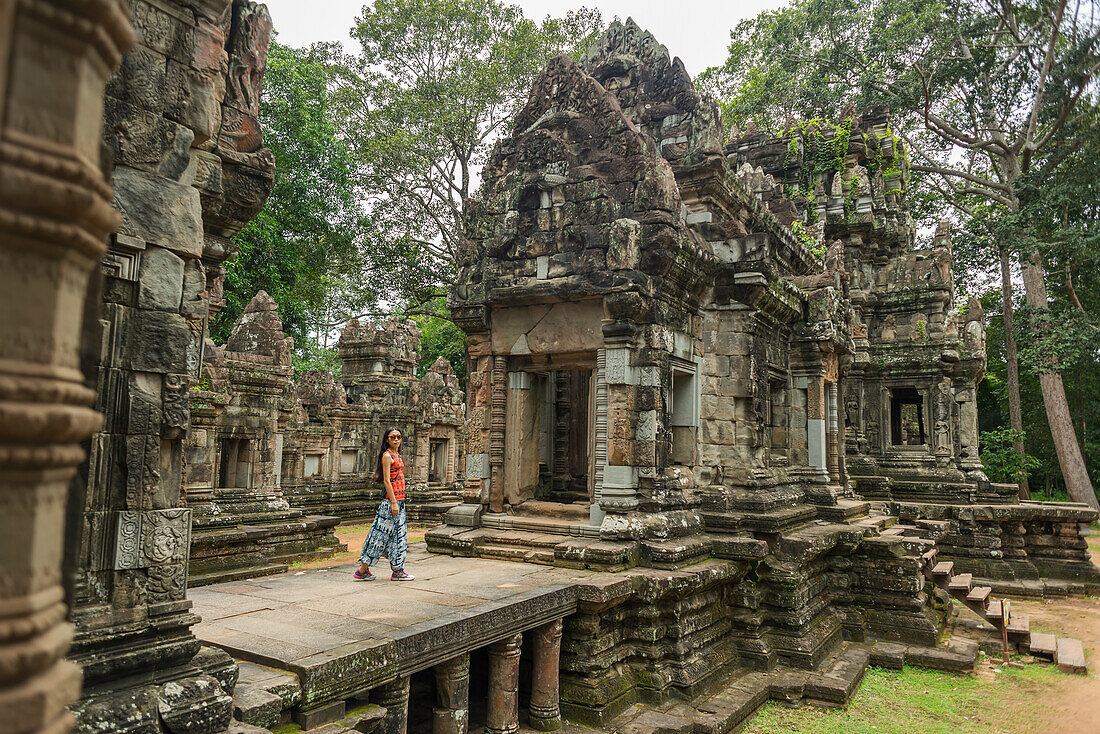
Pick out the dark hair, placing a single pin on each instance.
(377, 476)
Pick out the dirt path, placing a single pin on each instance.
(1072, 706)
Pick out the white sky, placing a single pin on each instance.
(695, 30)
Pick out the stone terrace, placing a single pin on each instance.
(315, 647)
(343, 639)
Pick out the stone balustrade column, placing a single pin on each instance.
(452, 696)
(394, 696)
(503, 712)
(832, 428)
(55, 215)
(545, 714)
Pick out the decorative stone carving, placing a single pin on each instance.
(152, 538)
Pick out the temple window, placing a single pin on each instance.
(684, 412)
(312, 465)
(348, 461)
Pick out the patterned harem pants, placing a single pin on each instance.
(387, 538)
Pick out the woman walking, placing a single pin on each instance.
(388, 536)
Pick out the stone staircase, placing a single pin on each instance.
(1066, 652)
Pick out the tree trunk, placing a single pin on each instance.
(1070, 458)
(1015, 414)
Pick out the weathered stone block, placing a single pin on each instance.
(161, 282)
(144, 139)
(171, 34)
(140, 79)
(158, 342)
(256, 706)
(159, 211)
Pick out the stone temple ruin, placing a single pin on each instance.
(266, 456)
(719, 407)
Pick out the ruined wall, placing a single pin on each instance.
(189, 170)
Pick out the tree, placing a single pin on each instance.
(997, 88)
(439, 337)
(307, 245)
(434, 85)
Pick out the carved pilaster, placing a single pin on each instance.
(55, 215)
(394, 696)
(498, 410)
(452, 696)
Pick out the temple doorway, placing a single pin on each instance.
(548, 437)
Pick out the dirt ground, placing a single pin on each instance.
(1072, 705)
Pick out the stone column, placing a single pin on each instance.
(832, 428)
(503, 713)
(815, 422)
(452, 696)
(545, 714)
(394, 696)
(55, 215)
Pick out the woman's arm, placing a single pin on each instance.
(387, 460)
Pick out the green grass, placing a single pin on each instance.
(912, 700)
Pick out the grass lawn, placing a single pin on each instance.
(925, 701)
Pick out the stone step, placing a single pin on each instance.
(845, 510)
(961, 583)
(1069, 655)
(979, 595)
(734, 703)
(235, 574)
(929, 558)
(502, 552)
(1019, 628)
(993, 612)
(838, 681)
(1042, 645)
(282, 683)
(255, 706)
(944, 568)
(517, 538)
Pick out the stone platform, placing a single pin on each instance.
(342, 639)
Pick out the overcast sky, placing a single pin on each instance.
(695, 30)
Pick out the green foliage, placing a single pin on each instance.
(439, 337)
(313, 356)
(305, 247)
(1002, 462)
(799, 230)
